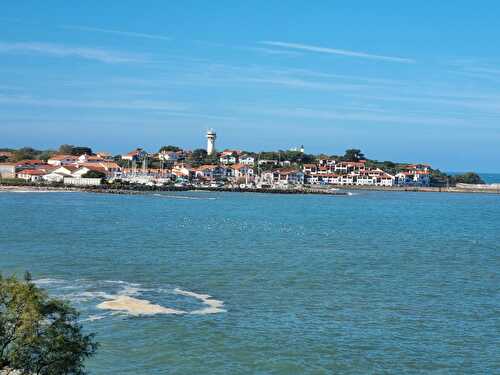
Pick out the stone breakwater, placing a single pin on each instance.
(342, 190)
(140, 189)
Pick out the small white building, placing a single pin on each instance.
(228, 159)
(77, 181)
(242, 171)
(90, 159)
(183, 171)
(7, 170)
(210, 172)
(286, 176)
(247, 160)
(57, 160)
(136, 155)
(32, 175)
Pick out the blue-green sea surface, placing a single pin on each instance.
(372, 283)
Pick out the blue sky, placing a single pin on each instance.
(403, 81)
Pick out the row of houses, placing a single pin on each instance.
(226, 157)
(71, 169)
(357, 173)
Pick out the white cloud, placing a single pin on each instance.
(303, 84)
(59, 50)
(270, 51)
(163, 108)
(95, 104)
(334, 51)
(118, 32)
(367, 115)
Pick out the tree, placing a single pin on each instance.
(170, 148)
(467, 178)
(353, 154)
(45, 155)
(81, 150)
(199, 155)
(25, 153)
(40, 335)
(66, 149)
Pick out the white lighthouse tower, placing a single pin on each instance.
(211, 136)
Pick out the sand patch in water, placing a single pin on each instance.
(135, 306)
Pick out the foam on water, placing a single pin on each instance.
(184, 197)
(86, 296)
(47, 281)
(135, 306)
(122, 297)
(214, 305)
(93, 318)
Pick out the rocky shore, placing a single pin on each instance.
(330, 190)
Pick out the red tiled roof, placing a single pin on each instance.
(33, 172)
(239, 166)
(63, 157)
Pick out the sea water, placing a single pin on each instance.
(229, 283)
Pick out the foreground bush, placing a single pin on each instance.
(40, 335)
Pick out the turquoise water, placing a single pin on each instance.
(491, 178)
(373, 283)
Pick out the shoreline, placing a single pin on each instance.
(343, 190)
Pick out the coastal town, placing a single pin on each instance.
(210, 168)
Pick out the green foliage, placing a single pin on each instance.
(199, 154)
(13, 181)
(45, 155)
(29, 153)
(170, 148)
(65, 149)
(467, 178)
(94, 174)
(40, 335)
(74, 150)
(295, 157)
(198, 157)
(353, 154)
(25, 153)
(387, 166)
(81, 150)
(440, 179)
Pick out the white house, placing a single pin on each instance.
(32, 175)
(414, 178)
(309, 168)
(90, 159)
(62, 160)
(183, 171)
(211, 172)
(78, 181)
(7, 170)
(81, 171)
(288, 176)
(136, 155)
(228, 159)
(247, 160)
(242, 171)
